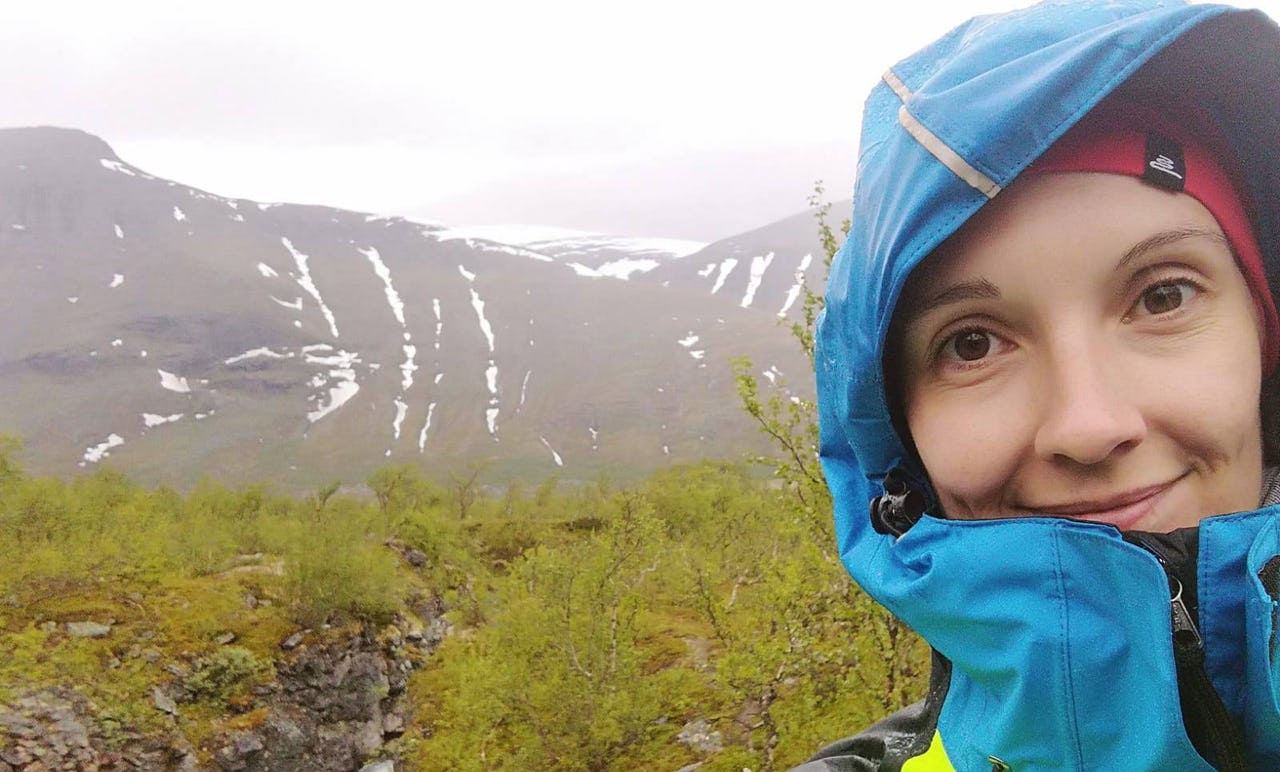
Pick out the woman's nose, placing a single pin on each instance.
(1088, 413)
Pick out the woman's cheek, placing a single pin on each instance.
(971, 442)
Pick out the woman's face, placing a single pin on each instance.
(1085, 347)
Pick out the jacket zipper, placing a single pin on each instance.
(1198, 696)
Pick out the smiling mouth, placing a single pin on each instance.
(1123, 510)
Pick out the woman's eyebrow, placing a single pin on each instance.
(1164, 239)
(973, 289)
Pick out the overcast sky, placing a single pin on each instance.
(678, 118)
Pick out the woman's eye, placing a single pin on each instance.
(1166, 297)
(969, 345)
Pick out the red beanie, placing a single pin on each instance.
(1179, 152)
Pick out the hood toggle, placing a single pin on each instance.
(899, 508)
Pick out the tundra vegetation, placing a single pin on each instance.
(700, 615)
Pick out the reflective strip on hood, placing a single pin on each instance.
(939, 149)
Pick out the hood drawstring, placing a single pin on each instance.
(899, 508)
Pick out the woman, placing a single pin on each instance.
(1043, 361)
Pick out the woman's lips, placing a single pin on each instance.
(1123, 511)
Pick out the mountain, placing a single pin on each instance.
(176, 334)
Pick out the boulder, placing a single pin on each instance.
(163, 702)
(88, 630)
(699, 737)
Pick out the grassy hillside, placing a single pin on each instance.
(697, 616)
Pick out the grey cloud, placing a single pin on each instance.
(704, 196)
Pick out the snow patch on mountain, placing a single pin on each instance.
(426, 427)
(554, 455)
(402, 409)
(586, 271)
(342, 370)
(485, 327)
(152, 420)
(116, 280)
(595, 245)
(522, 235)
(384, 273)
(759, 265)
(267, 271)
(794, 292)
(103, 449)
(173, 382)
(178, 214)
(116, 166)
(623, 269)
(257, 352)
(435, 307)
(119, 232)
(726, 267)
(305, 281)
(408, 367)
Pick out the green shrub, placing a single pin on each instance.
(217, 676)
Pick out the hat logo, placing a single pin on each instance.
(1163, 163)
(1166, 168)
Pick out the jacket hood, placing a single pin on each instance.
(952, 125)
(1026, 608)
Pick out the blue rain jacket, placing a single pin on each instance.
(1058, 631)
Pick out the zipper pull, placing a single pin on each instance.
(1185, 633)
(899, 508)
(1183, 624)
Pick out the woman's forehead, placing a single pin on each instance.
(1046, 217)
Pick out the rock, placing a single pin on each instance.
(88, 630)
(690, 767)
(392, 725)
(240, 753)
(225, 639)
(379, 766)
(151, 656)
(340, 672)
(250, 601)
(45, 731)
(248, 744)
(16, 755)
(699, 737)
(136, 597)
(176, 670)
(417, 558)
(163, 702)
(48, 627)
(437, 630)
(293, 641)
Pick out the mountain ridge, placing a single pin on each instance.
(378, 339)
